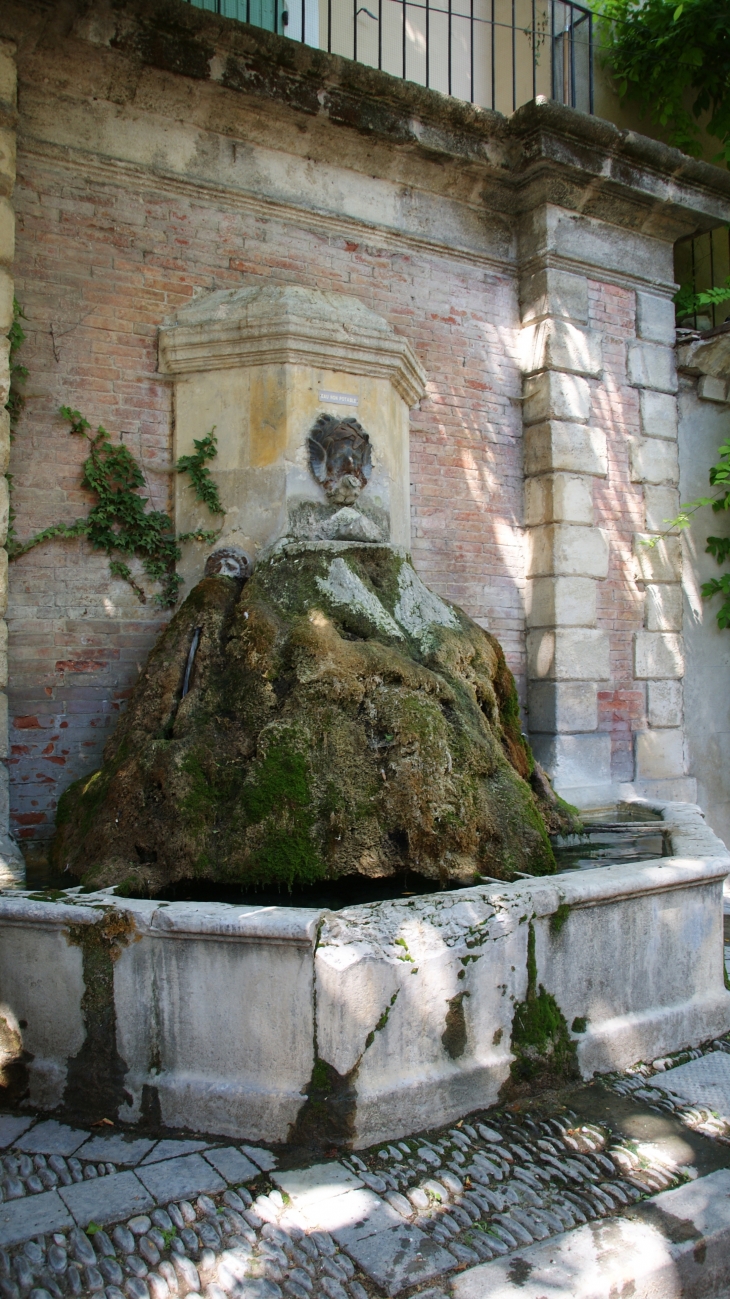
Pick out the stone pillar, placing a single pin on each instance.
(658, 652)
(11, 863)
(567, 655)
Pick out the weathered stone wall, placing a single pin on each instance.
(704, 423)
(163, 150)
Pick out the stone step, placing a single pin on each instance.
(675, 1245)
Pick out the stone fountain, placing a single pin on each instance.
(314, 711)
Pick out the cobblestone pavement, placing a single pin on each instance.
(113, 1213)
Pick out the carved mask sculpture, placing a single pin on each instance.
(339, 457)
(229, 561)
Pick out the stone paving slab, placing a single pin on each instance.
(704, 1082)
(12, 1127)
(397, 1258)
(264, 1158)
(676, 1244)
(106, 1199)
(181, 1179)
(317, 1183)
(35, 1215)
(360, 1213)
(232, 1165)
(169, 1148)
(117, 1148)
(52, 1138)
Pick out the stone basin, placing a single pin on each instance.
(278, 1023)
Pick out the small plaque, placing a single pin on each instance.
(339, 398)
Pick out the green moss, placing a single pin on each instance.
(281, 780)
(541, 1043)
(579, 1025)
(320, 1076)
(558, 919)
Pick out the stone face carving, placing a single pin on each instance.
(340, 458)
(229, 561)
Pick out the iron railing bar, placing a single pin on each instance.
(428, 43)
(304, 19)
(380, 35)
(494, 89)
(471, 50)
(552, 49)
(534, 52)
(404, 38)
(514, 61)
(448, 55)
(354, 31)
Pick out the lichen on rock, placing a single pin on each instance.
(340, 720)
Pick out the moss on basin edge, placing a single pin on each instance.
(341, 719)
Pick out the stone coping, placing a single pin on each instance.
(698, 856)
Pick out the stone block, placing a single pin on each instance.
(232, 1165)
(655, 318)
(4, 370)
(557, 498)
(652, 366)
(4, 748)
(180, 1179)
(560, 345)
(660, 754)
(108, 1199)
(4, 439)
(6, 301)
(33, 1215)
(3, 657)
(658, 412)
(664, 607)
(8, 73)
(7, 160)
(664, 703)
(661, 562)
(653, 461)
(575, 760)
(52, 1138)
(562, 706)
(4, 517)
(711, 388)
(658, 656)
(550, 292)
(566, 550)
(554, 395)
(661, 505)
(562, 445)
(561, 602)
(568, 654)
(7, 231)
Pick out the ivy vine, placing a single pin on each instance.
(119, 522)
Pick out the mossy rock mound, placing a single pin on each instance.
(340, 720)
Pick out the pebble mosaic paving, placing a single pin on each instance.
(116, 1216)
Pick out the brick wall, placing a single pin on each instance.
(98, 268)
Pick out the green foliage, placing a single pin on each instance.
(120, 523)
(674, 59)
(18, 372)
(717, 546)
(206, 490)
(688, 303)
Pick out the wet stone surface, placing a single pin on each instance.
(403, 1218)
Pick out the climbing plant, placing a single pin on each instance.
(717, 546)
(688, 302)
(18, 372)
(119, 523)
(674, 59)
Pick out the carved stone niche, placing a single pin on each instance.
(266, 366)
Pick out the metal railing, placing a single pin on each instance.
(702, 262)
(494, 53)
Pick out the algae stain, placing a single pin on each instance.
(95, 1080)
(541, 1043)
(454, 1037)
(558, 919)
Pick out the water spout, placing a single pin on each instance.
(191, 659)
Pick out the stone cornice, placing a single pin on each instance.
(296, 326)
(543, 153)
